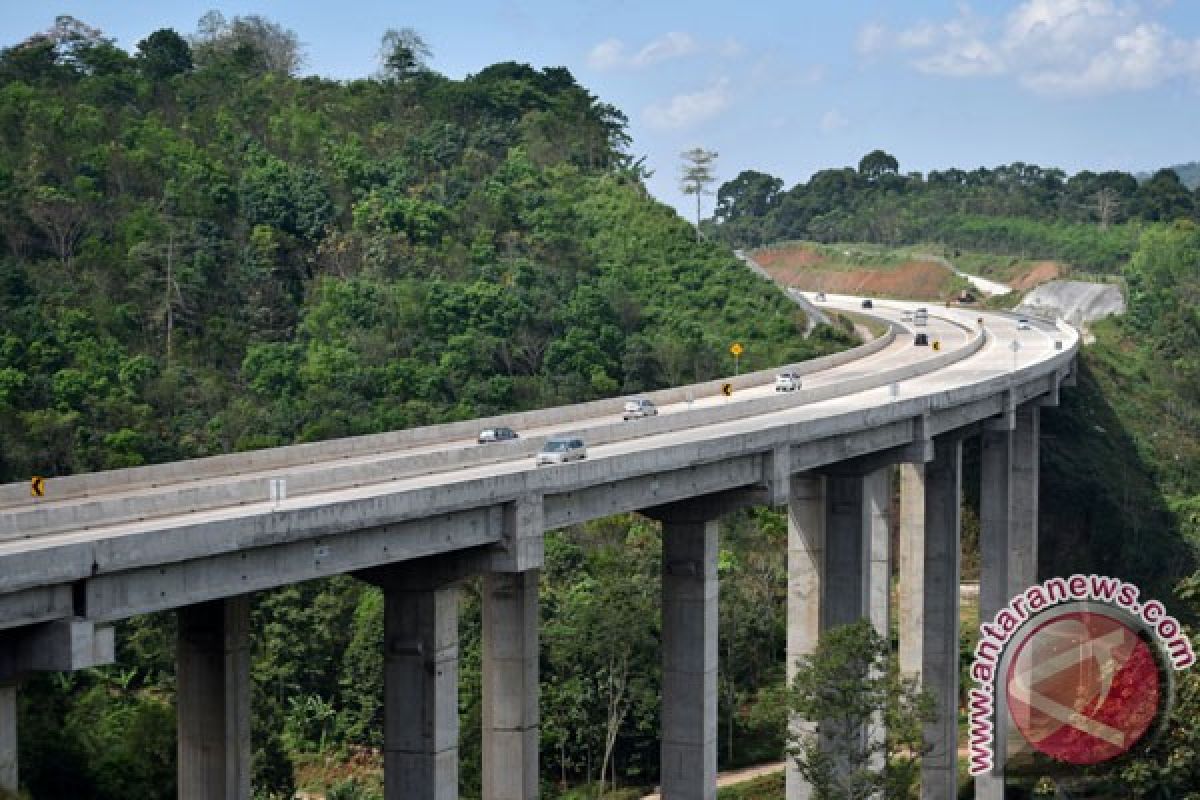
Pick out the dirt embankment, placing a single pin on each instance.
(1036, 274)
(802, 268)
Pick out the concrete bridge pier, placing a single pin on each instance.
(1008, 537)
(1023, 565)
(420, 678)
(838, 568)
(510, 685)
(930, 527)
(213, 700)
(995, 544)
(806, 573)
(8, 739)
(689, 658)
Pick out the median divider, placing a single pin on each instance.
(237, 490)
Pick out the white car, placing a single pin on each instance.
(1023, 325)
(496, 435)
(561, 449)
(820, 298)
(639, 407)
(787, 382)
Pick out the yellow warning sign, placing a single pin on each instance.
(37, 486)
(736, 348)
(727, 389)
(937, 345)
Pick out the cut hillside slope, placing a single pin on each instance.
(852, 271)
(1078, 302)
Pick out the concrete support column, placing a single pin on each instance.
(1023, 561)
(8, 739)
(689, 643)
(420, 678)
(213, 700)
(995, 520)
(912, 567)
(939, 641)
(806, 574)
(857, 549)
(995, 543)
(838, 569)
(510, 685)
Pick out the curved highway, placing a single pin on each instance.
(155, 538)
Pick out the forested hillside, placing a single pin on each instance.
(1089, 219)
(202, 251)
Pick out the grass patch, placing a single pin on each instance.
(766, 787)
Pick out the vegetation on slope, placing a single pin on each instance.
(1089, 220)
(201, 252)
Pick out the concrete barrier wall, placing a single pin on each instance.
(73, 486)
(35, 520)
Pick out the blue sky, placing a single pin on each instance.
(787, 87)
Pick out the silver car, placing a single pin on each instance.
(639, 407)
(561, 449)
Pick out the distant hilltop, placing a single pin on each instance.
(1189, 174)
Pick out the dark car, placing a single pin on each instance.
(867, 303)
(496, 435)
(921, 339)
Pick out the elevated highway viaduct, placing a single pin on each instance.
(418, 511)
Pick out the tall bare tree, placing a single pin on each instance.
(1107, 204)
(698, 176)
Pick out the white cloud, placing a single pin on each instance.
(611, 53)
(872, 38)
(1057, 47)
(607, 55)
(685, 110)
(670, 45)
(731, 48)
(833, 121)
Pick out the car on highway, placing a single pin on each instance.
(787, 381)
(867, 303)
(500, 434)
(921, 316)
(639, 407)
(820, 298)
(561, 449)
(921, 339)
(1023, 325)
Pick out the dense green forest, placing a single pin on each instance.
(203, 252)
(1091, 220)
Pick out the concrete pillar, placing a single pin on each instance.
(213, 700)
(912, 567)
(806, 572)
(939, 641)
(995, 529)
(8, 739)
(510, 685)
(1023, 561)
(420, 677)
(689, 644)
(838, 569)
(995, 520)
